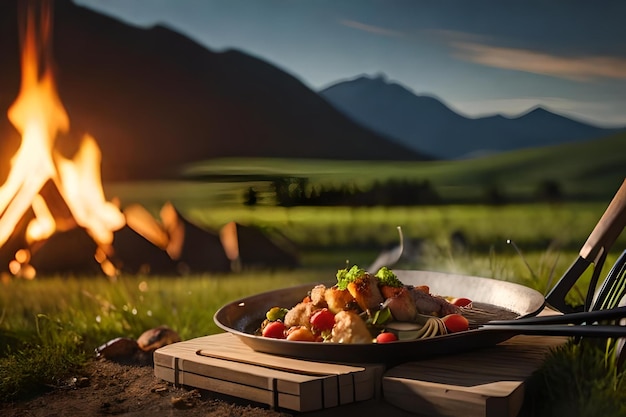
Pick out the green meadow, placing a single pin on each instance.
(50, 326)
(588, 170)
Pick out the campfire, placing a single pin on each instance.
(54, 216)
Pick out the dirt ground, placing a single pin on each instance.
(106, 388)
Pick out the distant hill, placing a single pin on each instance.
(424, 123)
(585, 171)
(155, 100)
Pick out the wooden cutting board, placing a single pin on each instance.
(221, 363)
(484, 383)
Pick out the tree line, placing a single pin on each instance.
(298, 191)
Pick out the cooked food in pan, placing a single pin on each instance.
(366, 308)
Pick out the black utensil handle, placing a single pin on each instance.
(570, 318)
(559, 330)
(556, 297)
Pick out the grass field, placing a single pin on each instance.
(50, 326)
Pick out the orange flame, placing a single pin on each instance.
(39, 116)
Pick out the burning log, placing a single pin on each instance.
(68, 252)
(134, 254)
(142, 222)
(195, 249)
(248, 247)
(58, 208)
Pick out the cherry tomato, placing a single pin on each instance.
(275, 330)
(323, 320)
(455, 323)
(386, 337)
(462, 302)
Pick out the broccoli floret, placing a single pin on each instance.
(386, 277)
(346, 276)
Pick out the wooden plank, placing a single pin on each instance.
(330, 392)
(222, 363)
(188, 361)
(258, 395)
(166, 374)
(488, 382)
(216, 385)
(300, 403)
(364, 389)
(245, 383)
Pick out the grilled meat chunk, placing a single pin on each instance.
(366, 293)
(338, 300)
(406, 302)
(402, 305)
(300, 315)
(350, 328)
(432, 305)
(317, 296)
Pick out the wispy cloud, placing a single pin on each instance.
(377, 30)
(580, 68)
(480, 49)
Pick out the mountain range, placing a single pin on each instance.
(426, 124)
(155, 100)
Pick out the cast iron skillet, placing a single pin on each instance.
(505, 300)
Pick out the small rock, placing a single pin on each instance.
(119, 349)
(158, 337)
(128, 351)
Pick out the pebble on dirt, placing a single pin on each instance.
(129, 351)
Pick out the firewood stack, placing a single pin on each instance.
(171, 246)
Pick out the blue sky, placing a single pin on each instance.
(478, 56)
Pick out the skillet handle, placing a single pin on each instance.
(608, 228)
(596, 330)
(589, 317)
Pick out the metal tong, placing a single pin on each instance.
(583, 324)
(594, 251)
